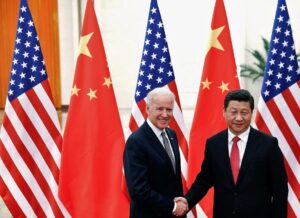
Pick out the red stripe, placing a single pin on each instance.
(32, 165)
(46, 119)
(284, 128)
(47, 88)
(9, 200)
(36, 138)
(142, 106)
(292, 180)
(172, 86)
(291, 213)
(260, 123)
(292, 104)
(132, 124)
(21, 183)
(181, 139)
(291, 176)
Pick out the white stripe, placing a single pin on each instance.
(40, 127)
(200, 212)
(293, 201)
(30, 146)
(15, 191)
(26, 173)
(275, 131)
(288, 116)
(180, 121)
(51, 145)
(137, 115)
(183, 164)
(190, 215)
(48, 105)
(127, 133)
(177, 113)
(295, 90)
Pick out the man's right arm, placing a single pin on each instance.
(137, 178)
(202, 183)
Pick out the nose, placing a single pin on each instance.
(239, 117)
(164, 113)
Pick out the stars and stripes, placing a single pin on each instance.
(278, 107)
(30, 138)
(156, 68)
(156, 71)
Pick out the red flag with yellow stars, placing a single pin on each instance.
(93, 143)
(219, 76)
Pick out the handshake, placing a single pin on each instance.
(182, 206)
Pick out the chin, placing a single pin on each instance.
(163, 126)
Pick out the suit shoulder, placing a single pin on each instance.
(218, 136)
(265, 136)
(171, 131)
(136, 135)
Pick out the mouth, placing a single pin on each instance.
(239, 125)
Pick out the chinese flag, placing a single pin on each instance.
(93, 143)
(219, 76)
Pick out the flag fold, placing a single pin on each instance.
(219, 76)
(93, 143)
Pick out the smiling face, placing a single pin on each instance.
(160, 111)
(238, 116)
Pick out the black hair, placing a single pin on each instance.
(239, 95)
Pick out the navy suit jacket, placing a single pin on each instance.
(261, 189)
(151, 181)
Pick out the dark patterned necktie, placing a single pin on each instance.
(168, 149)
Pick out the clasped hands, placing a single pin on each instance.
(182, 206)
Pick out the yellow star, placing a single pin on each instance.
(224, 87)
(206, 84)
(107, 82)
(214, 42)
(92, 94)
(83, 48)
(75, 90)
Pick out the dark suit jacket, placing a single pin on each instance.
(261, 190)
(151, 181)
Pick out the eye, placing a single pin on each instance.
(245, 113)
(233, 113)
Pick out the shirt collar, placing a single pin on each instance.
(243, 136)
(156, 130)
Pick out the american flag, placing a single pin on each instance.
(156, 71)
(278, 108)
(30, 138)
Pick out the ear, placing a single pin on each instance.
(224, 110)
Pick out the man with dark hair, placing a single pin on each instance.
(244, 165)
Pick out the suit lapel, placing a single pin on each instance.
(225, 156)
(156, 144)
(175, 148)
(251, 148)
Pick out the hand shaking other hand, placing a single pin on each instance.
(181, 206)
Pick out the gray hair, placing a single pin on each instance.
(158, 91)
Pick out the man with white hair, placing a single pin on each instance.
(152, 161)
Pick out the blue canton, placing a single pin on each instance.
(28, 66)
(282, 69)
(156, 68)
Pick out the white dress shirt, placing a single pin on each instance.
(158, 132)
(241, 143)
